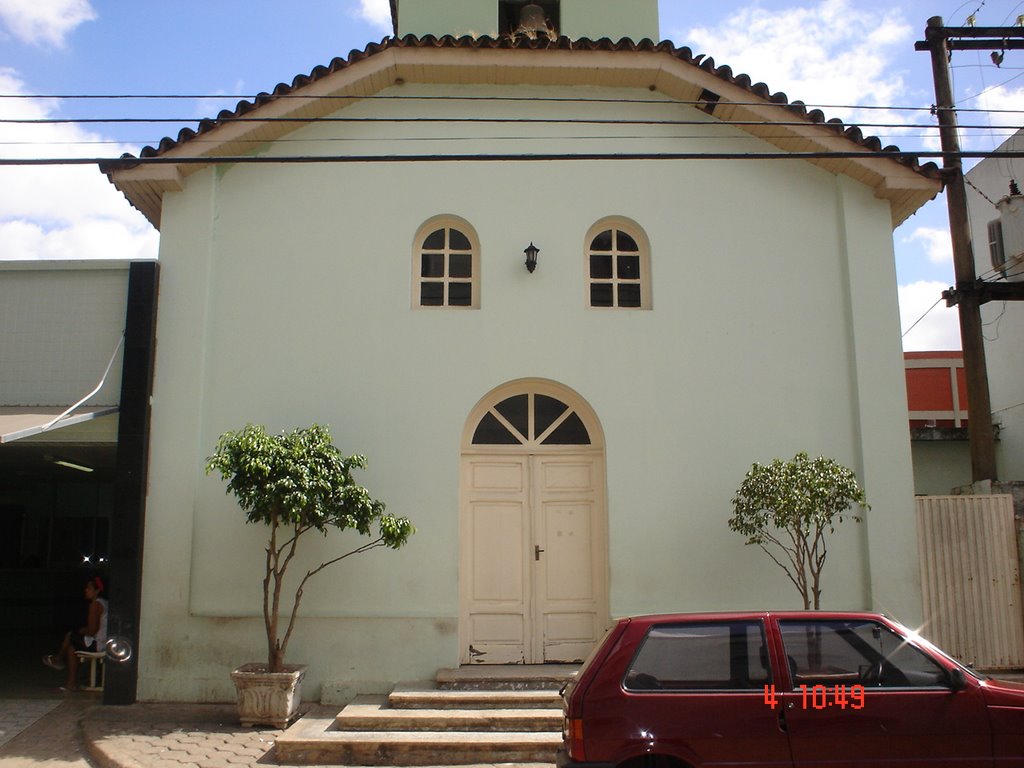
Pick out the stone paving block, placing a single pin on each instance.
(207, 736)
(18, 714)
(53, 740)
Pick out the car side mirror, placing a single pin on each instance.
(957, 682)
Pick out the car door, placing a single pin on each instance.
(861, 695)
(696, 691)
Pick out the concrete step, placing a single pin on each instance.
(520, 677)
(370, 713)
(430, 696)
(314, 741)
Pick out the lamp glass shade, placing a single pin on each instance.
(531, 256)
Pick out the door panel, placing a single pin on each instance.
(569, 584)
(496, 532)
(497, 567)
(533, 558)
(927, 728)
(568, 545)
(864, 696)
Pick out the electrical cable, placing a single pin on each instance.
(200, 140)
(922, 317)
(473, 120)
(529, 99)
(994, 322)
(130, 161)
(987, 90)
(1012, 11)
(397, 97)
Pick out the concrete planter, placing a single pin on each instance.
(268, 698)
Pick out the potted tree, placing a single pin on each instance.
(788, 508)
(294, 482)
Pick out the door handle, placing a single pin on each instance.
(536, 551)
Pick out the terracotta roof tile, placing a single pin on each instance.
(758, 90)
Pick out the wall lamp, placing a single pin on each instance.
(531, 257)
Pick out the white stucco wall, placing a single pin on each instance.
(594, 19)
(285, 299)
(1003, 321)
(941, 466)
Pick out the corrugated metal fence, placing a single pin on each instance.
(970, 578)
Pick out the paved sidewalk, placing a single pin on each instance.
(18, 714)
(54, 740)
(175, 736)
(79, 733)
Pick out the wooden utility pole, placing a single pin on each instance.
(967, 295)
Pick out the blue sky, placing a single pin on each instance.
(841, 53)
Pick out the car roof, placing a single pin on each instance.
(669, 618)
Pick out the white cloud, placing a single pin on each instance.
(376, 12)
(61, 211)
(1002, 107)
(44, 21)
(937, 244)
(940, 328)
(826, 53)
(89, 239)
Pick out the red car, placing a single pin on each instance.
(784, 689)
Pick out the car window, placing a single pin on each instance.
(705, 656)
(857, 652)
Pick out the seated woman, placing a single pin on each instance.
(91, 637)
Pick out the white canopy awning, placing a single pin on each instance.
(17, 422)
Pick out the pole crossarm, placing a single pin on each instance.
(977, 39)
(985, 292)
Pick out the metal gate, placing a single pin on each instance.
(970, 578)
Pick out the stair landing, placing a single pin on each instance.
(469, 716)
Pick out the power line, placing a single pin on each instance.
(108, 163)
(200, 140)
(922, 317)
(266, 98)
(482, 120)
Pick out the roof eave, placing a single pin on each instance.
(661, 67)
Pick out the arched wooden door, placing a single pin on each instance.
(533, 528)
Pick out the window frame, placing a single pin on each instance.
(996, 248)
(532, 428)
(639, 236)
(848, 630)
(428, 227)
(755, 687)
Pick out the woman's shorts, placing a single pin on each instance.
(78, 642)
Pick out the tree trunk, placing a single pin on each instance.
(276, 660)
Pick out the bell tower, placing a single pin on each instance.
(576, 19)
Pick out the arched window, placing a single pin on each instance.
(618, 265)
(531, 419)
(446, 264)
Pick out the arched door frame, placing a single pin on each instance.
(547, 387)
(543, 505)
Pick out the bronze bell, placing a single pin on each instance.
(532, 21)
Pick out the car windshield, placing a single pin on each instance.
(924, 642)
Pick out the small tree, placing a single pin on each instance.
(294, 483)
(790, 506)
